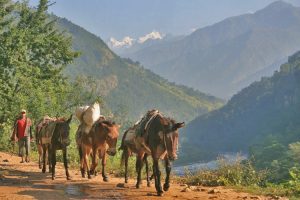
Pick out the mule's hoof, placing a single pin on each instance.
(69, 178)
(43, 171)
(105, 179)
(53, 177)
(166, 187)
(160, 194)
(40, 167)
(148, 184)
(138, 185)
(89, 177)
(126, 181)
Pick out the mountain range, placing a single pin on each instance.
(126, 86)
(265, 112)
(225, 57)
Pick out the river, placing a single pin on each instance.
(194, 167)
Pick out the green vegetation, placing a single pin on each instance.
(264, 114)
(262, 120)
(49, 66)
(242, 175)
(125, 85)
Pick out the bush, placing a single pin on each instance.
(237, 173)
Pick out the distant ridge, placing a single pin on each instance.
(223, 58)
(267, 110)
(128, 87)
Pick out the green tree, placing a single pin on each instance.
(33, 55)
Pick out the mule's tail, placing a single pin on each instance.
(124, 155)
(80, 152)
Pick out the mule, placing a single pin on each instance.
(161, 138)
(40, 126)
(103, 134)
(58, 139)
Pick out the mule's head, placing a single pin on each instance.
(171, 137)
(112, 133)
(63, 130)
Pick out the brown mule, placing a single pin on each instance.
(56, 137)
(102, 135)
(161, 138)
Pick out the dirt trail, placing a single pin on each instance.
(25, 181)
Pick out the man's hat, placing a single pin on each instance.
(23, 111)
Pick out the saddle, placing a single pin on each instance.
(137, 135)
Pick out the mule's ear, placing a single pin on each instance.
(178, 126)
(69, 120)
(105, 127)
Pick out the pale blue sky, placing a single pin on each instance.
(134, 18)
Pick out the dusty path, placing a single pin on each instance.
(25, 181)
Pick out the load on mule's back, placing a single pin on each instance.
(95, 136)
(159, 139)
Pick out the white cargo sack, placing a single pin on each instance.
(79, 112)
(92, 114)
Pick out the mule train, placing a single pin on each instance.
(154, 135)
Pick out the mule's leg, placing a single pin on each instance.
(139, 166)
(53, 162)
(104, 176)
(81, 162)
(94, 162)
(86, 162)
(66, 163)
(40, 151)
(49, 158)
(126, 154)
(157, 177)
(147, 170)
(44, 158)
(168, 171)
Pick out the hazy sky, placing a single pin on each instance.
(134, 18)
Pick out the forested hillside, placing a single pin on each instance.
(126, 86)
(265, 114)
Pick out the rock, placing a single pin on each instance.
(5, 160)
(213, 197)
(184, 185)
(254, 197)
(277, 197)
(122, 185)
(213, 191)
(187, 189)
(193, 188)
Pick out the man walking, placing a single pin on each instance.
(23, 133)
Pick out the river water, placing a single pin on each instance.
(194, 167)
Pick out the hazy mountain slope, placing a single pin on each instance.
(127, 85)
(219, 59)
(266, 109)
